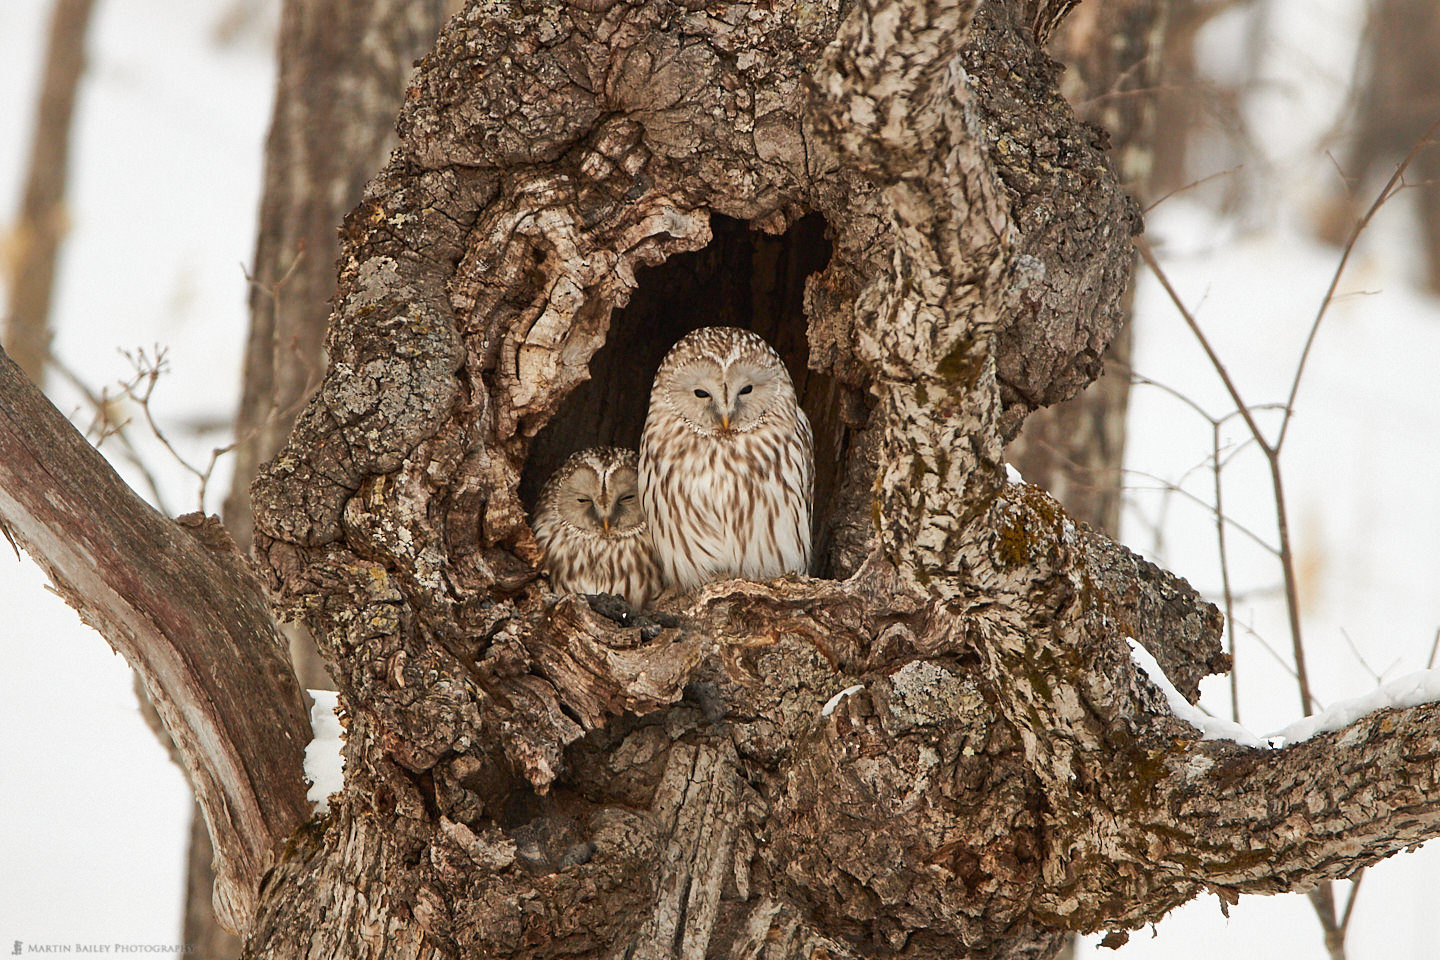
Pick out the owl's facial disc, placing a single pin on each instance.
(721, 401)
(623, 493)
(606, 506)
(751, 390)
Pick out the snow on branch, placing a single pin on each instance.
(1411, 690)
(1211, 728)
(324, 765)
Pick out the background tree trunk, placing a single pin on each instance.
(34, 243)
(1398, 100)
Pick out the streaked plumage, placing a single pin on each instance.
(589, 522)
(727, 465)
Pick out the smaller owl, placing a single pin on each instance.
(589, 522)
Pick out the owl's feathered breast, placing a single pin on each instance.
(578, 562)
(735, 505)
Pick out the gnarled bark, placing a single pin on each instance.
(343, 69)
(556, 776)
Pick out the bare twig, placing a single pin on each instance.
(1350, 901)
(1386, 192)
(1225, 569)
(1167, 485)
(1272, 450)
(148, 370)
(102, 427)
(1266, 646)
(1277, 485)
(1322, 898)
(1192, 185)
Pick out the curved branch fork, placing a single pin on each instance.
(1142, 814)
(179, 602)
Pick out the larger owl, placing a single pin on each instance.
(727, 462)
(589, 522)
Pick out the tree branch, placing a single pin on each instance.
(178, 601)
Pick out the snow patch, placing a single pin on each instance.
(1012, 474)
(1407, 691)
(1211, 728)
(323, 764)
(834, 701)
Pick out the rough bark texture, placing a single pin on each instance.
(35, 243)
(343, 69)
(534, 776)
(177, 600)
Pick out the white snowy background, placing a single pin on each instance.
(165, 177)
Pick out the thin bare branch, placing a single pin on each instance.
(104, 428)
(1386, 192)
(1209, 507)
(1350, 901)
(1355, 651)
(1277, 485)
(1192, 185)
(1225, 572)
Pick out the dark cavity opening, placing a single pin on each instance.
(742, 278)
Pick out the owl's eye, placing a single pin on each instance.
(703, 395)
(746, 389)
(627, 498)
(583, 499)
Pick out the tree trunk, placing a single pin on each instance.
(939, 748)
(1398, 100)
(531, 776)
(35, 244)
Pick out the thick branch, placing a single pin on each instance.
(179, 603)
(1256, 821)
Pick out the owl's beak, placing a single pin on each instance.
(724, 421)
(605, 524)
